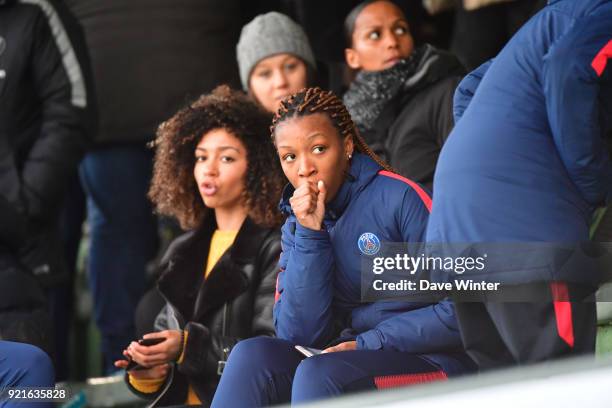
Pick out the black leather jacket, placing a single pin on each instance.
(235, 302)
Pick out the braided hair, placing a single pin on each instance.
(309, 101)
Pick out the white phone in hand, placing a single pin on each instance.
(308, 351)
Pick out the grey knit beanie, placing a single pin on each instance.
(267, 35)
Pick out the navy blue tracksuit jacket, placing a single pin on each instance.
(527, 161)
(318, 288)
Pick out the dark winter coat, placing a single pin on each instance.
(23, 307)
(151, 57)
(235, 302)
(405, 113)
(45, 123)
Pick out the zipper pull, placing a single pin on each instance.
(221, 363)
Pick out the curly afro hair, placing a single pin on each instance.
(174, 190)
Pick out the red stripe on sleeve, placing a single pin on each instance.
(276, 292)
(422, 193)
(601, 59)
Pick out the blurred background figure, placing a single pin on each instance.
(149, 57)
(323, 22)
(482, 27)
(401, 97)
(275, 59)
(45, 123)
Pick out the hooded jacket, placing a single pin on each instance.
(527, 160)
(233, 303)
(319, 286)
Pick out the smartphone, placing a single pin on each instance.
(151, 342)
(308, 351)
(132, 365)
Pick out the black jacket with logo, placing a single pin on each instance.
(235, 302)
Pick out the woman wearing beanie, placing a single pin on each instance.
(274, 58)
(401, 98)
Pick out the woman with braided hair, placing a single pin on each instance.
(342, 201)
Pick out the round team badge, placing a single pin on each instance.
(368, 243)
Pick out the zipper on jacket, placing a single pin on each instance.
(226, 350)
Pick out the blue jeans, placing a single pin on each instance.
(264, 371)
(23, 365)
(123, 239)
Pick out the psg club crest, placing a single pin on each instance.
(368, 243)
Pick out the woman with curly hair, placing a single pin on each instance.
(215, 171)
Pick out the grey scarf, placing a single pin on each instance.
(372, 90)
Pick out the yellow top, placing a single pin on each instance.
(146, 385)
(219, 243)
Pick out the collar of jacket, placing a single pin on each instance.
(363, 170)
(182, 281)
(372, 91)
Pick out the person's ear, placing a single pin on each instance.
(349, 146)
(352, 58)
